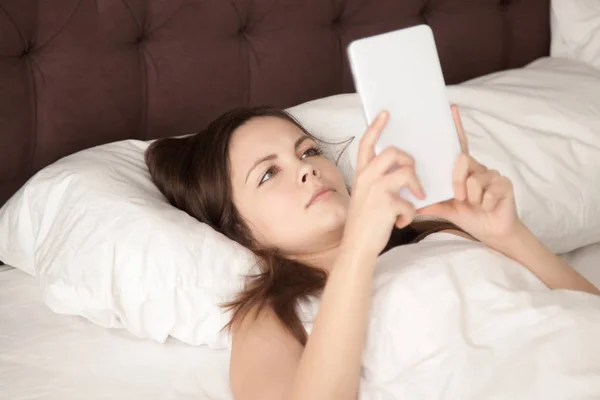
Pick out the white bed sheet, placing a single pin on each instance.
(55, 357)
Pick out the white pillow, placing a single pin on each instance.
(104, 244)
(576, 30)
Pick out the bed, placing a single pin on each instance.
(44, 355)
(77, 73)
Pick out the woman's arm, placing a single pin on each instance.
(484, 206)
(330, 365)
(526, 249)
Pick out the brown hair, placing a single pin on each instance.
(193, 173)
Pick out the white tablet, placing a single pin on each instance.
(400, 72)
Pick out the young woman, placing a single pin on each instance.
(260, 178)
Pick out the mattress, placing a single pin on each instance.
(56, 357)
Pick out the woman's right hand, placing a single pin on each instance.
(375, 204)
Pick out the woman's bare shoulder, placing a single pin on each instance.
(263, 325)
(264, 357)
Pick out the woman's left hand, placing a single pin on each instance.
(484, 204)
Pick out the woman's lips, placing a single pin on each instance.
(319, 194)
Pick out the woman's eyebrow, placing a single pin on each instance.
(260, 161)
(300, 140)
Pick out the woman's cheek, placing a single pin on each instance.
(281, 203)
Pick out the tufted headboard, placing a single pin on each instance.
(77, 73)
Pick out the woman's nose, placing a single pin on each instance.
(308, 172)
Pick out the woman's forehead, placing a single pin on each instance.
(262, 133)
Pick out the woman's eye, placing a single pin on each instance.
(267, 175)
(312, 152)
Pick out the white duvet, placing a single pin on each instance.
(452, 319)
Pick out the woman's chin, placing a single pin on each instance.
(331, 219)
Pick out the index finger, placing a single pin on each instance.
(366, 149)
(460, 130)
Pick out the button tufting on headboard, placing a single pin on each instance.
(243, 30)
(81, 87)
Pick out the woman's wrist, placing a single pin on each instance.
(356, 253)
(514, 242)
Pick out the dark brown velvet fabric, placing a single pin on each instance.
(77, 73)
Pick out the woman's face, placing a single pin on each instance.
(291, 196)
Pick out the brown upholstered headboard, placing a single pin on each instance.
(77, 73)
